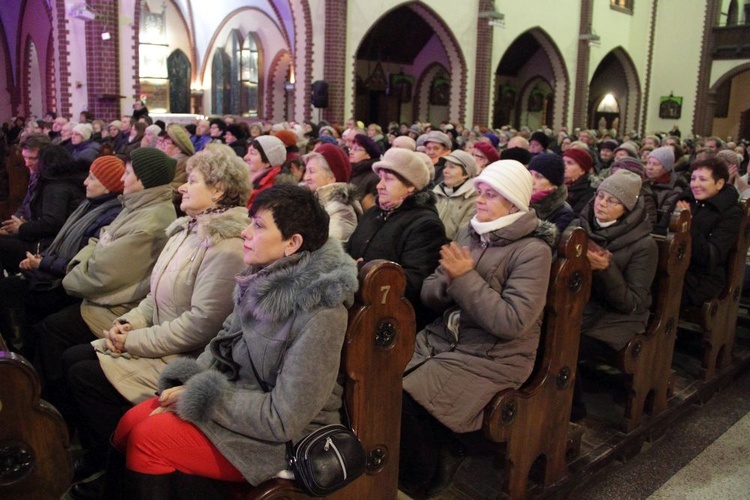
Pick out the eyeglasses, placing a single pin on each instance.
(356, 149)
(478, 156)
(611, 200)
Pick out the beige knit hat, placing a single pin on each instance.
(181, 138)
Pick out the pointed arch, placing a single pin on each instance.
(517, 67)
(279, 97)
(452, 59)
(608, 79)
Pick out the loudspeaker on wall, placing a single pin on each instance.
(320, 94)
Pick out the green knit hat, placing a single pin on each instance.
(153, 167)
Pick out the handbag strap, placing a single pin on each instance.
(264, 386)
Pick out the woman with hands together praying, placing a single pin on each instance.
(490, 288)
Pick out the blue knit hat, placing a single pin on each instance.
(551, 166)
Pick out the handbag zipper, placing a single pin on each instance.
(331, 444)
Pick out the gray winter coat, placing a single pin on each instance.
(501, 303)
(291, 319)
(621, 294)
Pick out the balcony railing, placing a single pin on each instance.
(731, 42)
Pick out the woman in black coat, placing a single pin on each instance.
(404, 226)
(715, 227)
(55, 191)
(548, 193)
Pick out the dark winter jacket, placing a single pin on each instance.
(580, 192)
(714, 229)
(621, 294)
(667, 194)
(364, 178)
(454, 376)
(553, 208)
(290, 319)
(410, 235)
(53, 266)
(87, 151)
(57, 193)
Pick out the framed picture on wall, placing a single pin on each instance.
(670, 106)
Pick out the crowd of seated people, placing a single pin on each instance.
(113, 297)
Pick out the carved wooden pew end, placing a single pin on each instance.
(533, 421)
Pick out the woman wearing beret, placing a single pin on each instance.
(578, 167)
(363, 154)
(484, 153)
(714, 228)
(490, 290)
(404, 226)
(190, 297)
(456, 198)
(623, 257)
(327, 172)
(548, 193)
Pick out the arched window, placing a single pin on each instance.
(249, 76)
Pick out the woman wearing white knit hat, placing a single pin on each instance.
(491, 287)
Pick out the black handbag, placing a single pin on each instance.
(327, 459)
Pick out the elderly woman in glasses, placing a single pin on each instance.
(623, 257)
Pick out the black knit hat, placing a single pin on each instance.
(153, 167)
(541, 138)
(551, 166)
(373, 150)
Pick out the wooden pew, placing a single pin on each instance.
(379, 343)
(646, 361)
(35, 460)
(717, 318)
(18, 180)
(533, 421)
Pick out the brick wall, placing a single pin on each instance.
(103, 61)
(334, 65)
(483, 76)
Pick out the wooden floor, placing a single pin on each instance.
(480, 476)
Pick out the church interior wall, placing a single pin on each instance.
(739, 97)
(676, 61)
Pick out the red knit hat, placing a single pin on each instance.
(488, 150)
(337, 160)
(582, 157)
(108, 170)
(288, 137)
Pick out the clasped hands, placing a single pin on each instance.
(456, 260)
(11, 225)
(115, 337)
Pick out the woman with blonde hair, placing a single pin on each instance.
(190, 297)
